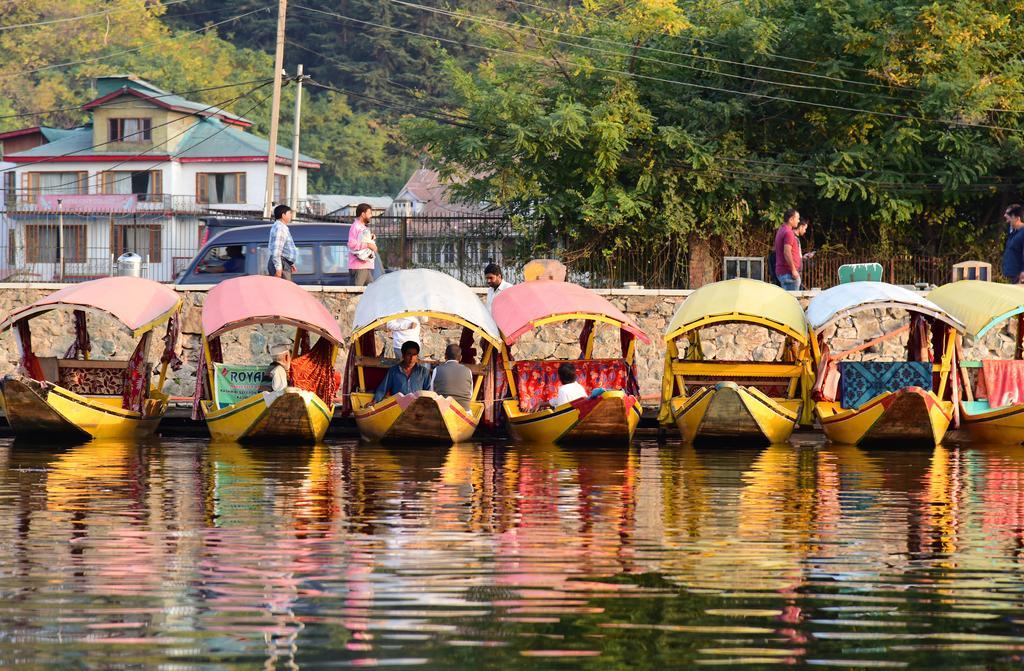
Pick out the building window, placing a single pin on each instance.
(143, 240)
(480, 253)
(42, 242)
(12, 247)
(146, 185)
(130, 130)
(10, 192)
(220, 187)
(280, 188)
(54, 183)
(434, 253)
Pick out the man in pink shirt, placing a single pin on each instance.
(788, 259)
(362, 247)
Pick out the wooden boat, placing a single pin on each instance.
(884, 401)
(229, 395)
(422, 416)
(982, 307)
(730, 399)
(611, 416)
(76, 397)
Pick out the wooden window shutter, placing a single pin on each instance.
(26, 187)
(201, 181)
(241, 187)
(156, 181)
(105, 181)
(83, 182)
(154, 244)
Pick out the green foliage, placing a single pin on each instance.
(898, 123)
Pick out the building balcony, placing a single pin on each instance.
(95, 203)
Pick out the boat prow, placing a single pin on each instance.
(47, 410)
(292, 415)
(729, 410)
(1000, 426)
(908, 415)
(423, 416)
(612, 417)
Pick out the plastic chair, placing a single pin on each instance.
(860, 272)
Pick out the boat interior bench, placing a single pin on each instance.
(87, 377)
(537, 381)
(774, 379)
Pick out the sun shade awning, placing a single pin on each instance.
(522, 307)
(846, 299)
(979, 305)
(740, 300)
(422, 292)
(139, 304)
(260, 299)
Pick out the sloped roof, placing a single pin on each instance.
(113, 87)
(333, 202)
(426, 187)
(207, 138)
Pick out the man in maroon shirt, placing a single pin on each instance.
(788, 259)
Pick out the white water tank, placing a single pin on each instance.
(129, 264)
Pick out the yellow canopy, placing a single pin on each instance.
(740, 300)
(979, 305)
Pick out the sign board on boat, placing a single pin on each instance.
(236, 383)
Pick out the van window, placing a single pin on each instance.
(304, 263)
(228, 260)
(334, 259)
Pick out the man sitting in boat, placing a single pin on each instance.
(405, 377)
(275, 378)
(570, 390)
(451, 378)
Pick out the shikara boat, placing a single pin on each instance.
(229, 395)
(611, 416)
(883, 401)
(992, 401)
(76, 397)
(709, 398)
(421, 416)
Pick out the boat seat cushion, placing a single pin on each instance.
(537, 381)
(92, 381)
(860, 381)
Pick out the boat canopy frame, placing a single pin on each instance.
(844, 300)
(979, 305)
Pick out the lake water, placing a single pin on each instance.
(185, 555)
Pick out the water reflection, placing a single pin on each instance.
(217, 556)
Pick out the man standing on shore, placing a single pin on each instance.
(787, 252)
(281, 246)
(362, 247)
(1013, 252)
(494, 281)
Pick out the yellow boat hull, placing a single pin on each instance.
(54, 412)
(911, 415)
(728, 410)
(612, 417)
(294, 416)
(424, 417)
(1000, 426)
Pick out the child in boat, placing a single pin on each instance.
(570, 390)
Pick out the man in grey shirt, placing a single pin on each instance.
(451, 378)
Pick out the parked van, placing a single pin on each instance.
(323, 255)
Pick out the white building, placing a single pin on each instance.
(134, 179)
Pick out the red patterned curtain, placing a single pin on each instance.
(466, 345)
(81, 346)
(314, 371)
(134, 395)
(303, 337)
(170, 355)
(588, 330)
(29, 361)
(201, 374)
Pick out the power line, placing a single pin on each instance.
(665, 80)
(440, 117)
(11, 75)
(165, 95)
(145, 151)
(67, 19)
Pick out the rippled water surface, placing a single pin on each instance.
(186, 555)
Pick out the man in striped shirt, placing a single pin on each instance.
(282, 248)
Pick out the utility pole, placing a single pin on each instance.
(60, 235)
(275, 110)
(293, 190)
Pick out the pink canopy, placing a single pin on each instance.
(518, 308)
(138, 303)
(260, 299)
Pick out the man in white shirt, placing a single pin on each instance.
(495, 283)
(570, 389)
(276, 376)
(404, 329)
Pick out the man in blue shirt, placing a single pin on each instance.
(405, 377)
(1013, 253)
(282, 248)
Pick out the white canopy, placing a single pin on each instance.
(422, 292)
(845, 299)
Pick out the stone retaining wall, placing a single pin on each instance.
(651, 308)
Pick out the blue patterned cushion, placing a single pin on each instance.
(860, 381)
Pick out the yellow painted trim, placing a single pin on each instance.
(566, 316)
(737, 317)
(444, 316)
(730, 369)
